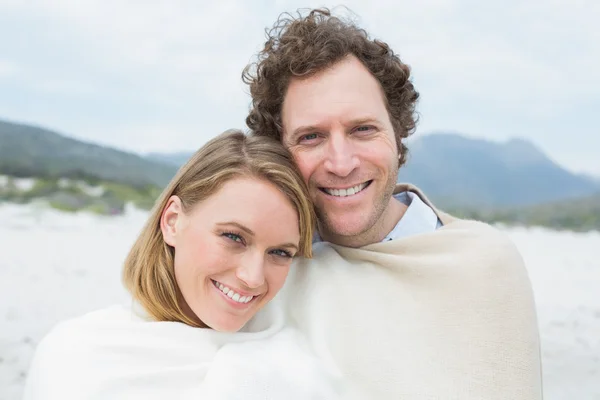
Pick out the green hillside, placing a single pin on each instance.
(72, 175)
(579, 214)
(30, 151)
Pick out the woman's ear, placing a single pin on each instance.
(169, 218)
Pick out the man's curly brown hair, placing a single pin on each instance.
(306, 45)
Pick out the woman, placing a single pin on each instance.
(216, 249)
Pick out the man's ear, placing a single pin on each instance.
(169, 218)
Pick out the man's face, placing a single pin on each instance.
(337, 127)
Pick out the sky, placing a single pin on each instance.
(165, 76)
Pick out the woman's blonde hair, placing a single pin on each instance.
(149, 268)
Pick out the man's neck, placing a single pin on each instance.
(384, 225)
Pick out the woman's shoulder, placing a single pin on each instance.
(73, 327)
(66, 337)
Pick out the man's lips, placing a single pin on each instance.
(345, 191)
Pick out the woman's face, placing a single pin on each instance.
(232, 251)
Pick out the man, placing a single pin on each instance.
(400, 299)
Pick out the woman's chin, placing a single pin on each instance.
(225, 320)
(230, 325)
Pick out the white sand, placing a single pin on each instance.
(55, 266)
(565, 272)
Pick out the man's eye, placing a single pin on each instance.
(364, 128)
(309, 136)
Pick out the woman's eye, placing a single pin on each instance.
(282, 253)
(233, 236)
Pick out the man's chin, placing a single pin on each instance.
(333, 227)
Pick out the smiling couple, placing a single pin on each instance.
(242, 290)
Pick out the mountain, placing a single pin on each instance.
(458, 171)
(27, 150)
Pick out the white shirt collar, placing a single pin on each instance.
(419, 218)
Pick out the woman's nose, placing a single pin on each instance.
(251, 271)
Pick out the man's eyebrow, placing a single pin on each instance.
(239, 226)
(304, 129)
(356, 121)
(353, 122)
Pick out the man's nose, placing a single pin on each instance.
(252, 270)
(341, 157)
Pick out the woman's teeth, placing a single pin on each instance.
(232, 294)
(346, 192)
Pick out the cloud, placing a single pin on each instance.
(180, 62)
(7, 69)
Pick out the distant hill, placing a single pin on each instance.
(580, 214)
(458, 171)
(31, 151)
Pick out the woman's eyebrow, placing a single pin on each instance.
(289, 245)
(238, 225)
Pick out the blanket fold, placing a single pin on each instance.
(117, 354)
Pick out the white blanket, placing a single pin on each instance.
(447, 315)
(116, 353)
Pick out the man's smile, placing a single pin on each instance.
(348, 191)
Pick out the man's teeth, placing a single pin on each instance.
(346, 192)
(231, 294)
